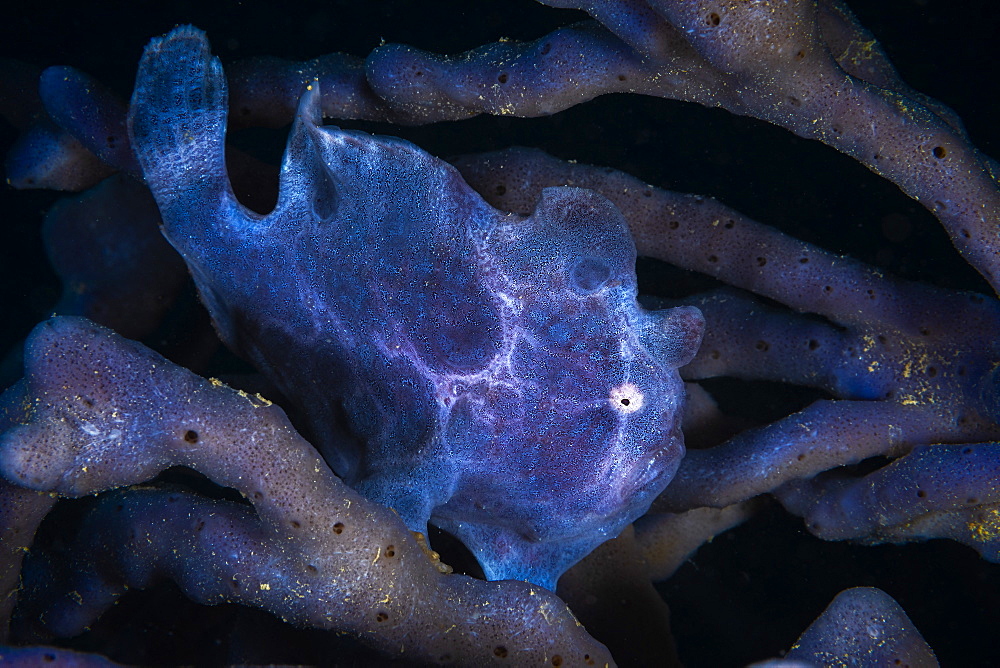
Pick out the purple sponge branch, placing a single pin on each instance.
(107, 412)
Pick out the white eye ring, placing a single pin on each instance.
(626, 398)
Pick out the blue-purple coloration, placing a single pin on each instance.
(488, 372)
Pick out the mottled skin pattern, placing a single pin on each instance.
(489, 372)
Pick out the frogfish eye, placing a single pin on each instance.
(626, 398)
